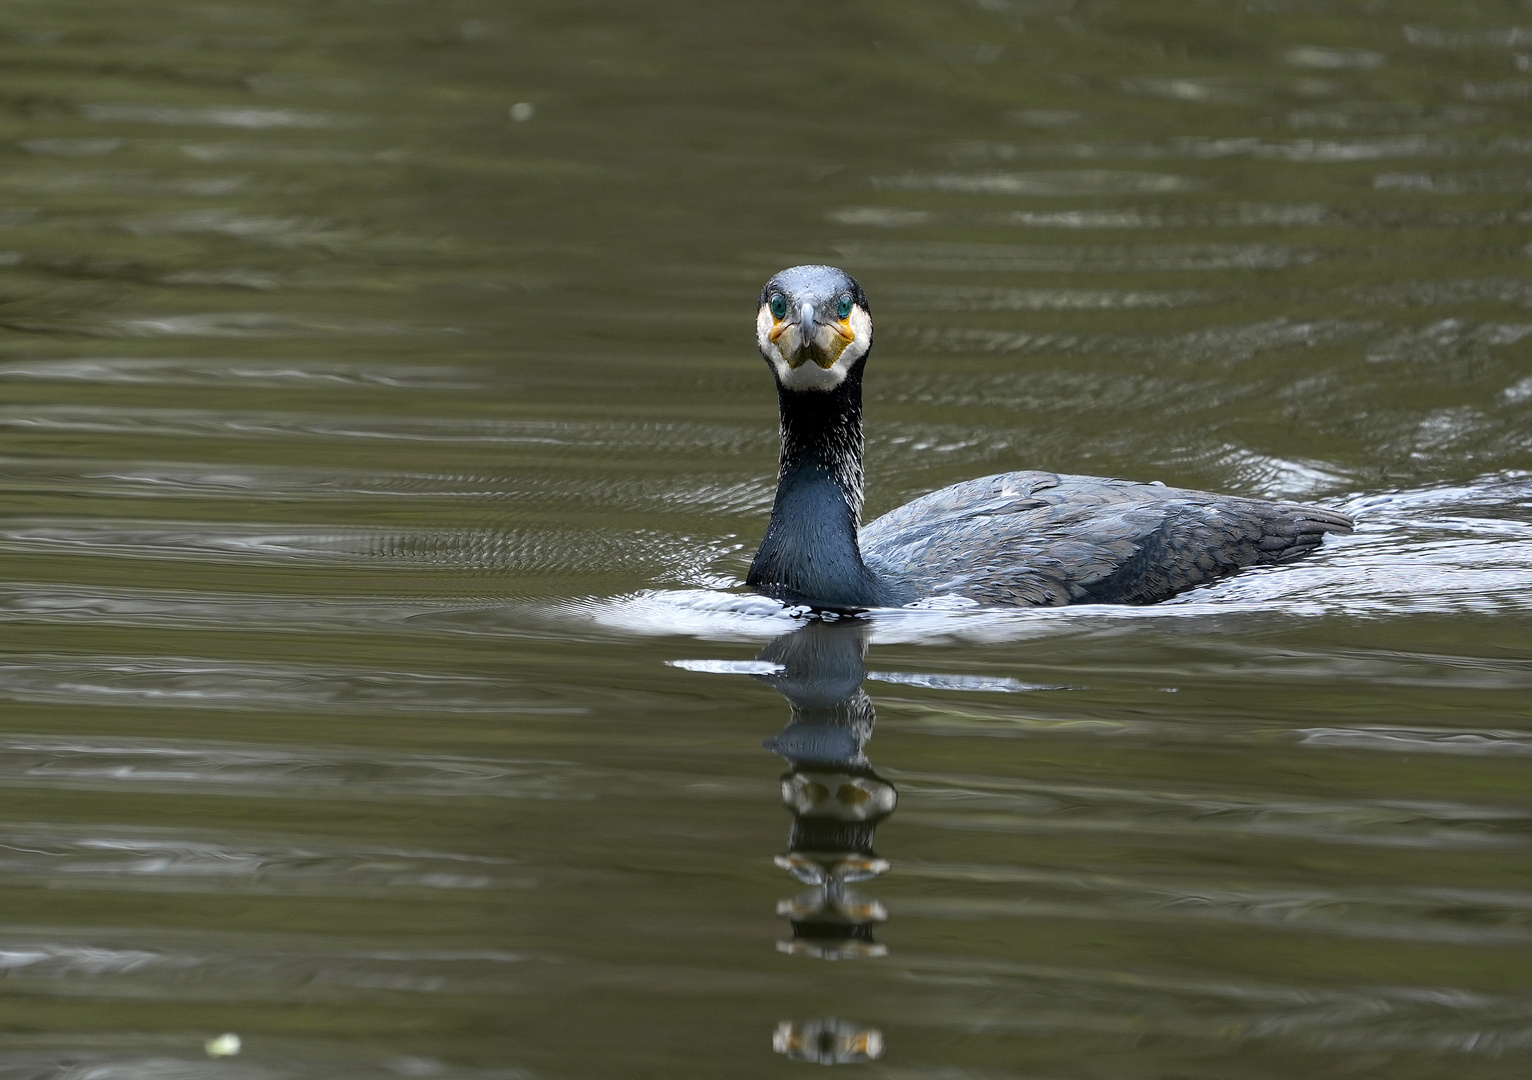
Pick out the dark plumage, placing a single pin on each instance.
(1019, 539)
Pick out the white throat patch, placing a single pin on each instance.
(809, 375)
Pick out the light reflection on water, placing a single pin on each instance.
(384, 450)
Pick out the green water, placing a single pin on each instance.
(384, 445)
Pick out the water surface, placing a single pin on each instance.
(382, 447)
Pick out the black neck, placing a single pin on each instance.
(809, 554)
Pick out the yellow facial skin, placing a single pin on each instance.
(824, 348)
(834, 348)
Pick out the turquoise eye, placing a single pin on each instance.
(778, 306)
(843, 306)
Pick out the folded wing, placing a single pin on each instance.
(1044, 539)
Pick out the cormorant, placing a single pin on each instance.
(1013, 539)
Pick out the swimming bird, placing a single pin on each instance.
(1017, 539)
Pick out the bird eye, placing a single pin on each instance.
(843, 306)
(778, 305)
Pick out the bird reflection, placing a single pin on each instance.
(837, 802)
(836, 799)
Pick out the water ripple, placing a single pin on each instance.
(255, 771)
(160, 860)
(46, 602)
(285, 425)
(1449, 292)
(171, 371)
(240, 116)
(171, 967)
(971, 994)
(1422, 740)
(1238, 215)
(1332, 59)
(1008, 805)
(209, 684)
(529, 550)
(248, 483)
(1503, 181)
(983, 684)
(223, 324)
(1209, 343)
(1055, 183)
(1498, 37)
(1212, 149)
(940, 257)
(275, 230)
(1407, 913)
(147, 1057)
(984, 298)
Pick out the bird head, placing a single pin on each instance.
(813, 327)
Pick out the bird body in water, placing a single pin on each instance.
(1014, 539)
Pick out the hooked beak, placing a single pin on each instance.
(807, 346)
(806, 335)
